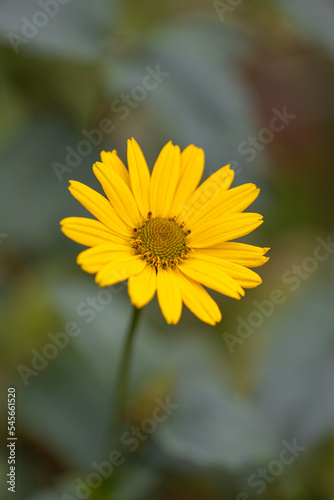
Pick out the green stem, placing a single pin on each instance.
(122, 381)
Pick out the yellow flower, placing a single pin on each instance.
(164, 234)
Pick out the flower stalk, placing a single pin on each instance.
(122, 381)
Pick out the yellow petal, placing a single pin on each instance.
(100, 207)
(226, 228)
(142, 287)
(139, 176)
(231, 201)
(89, 232)
(169, 295)
(191, 171)
(240, 253)
(120, 270)
(218, 182)
(94, 259)
(244, 276)
(239, 198)
(164, 180)
(112, 160)
(118, 193)
(211, 275)
(198, 301)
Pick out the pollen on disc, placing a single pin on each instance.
(161, 240)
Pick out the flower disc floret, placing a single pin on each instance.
(161, 241)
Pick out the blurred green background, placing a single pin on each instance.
(73, 82)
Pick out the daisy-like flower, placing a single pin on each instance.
(164, 234)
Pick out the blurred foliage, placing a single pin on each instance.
(227, 68)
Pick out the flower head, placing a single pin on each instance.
(164, 234)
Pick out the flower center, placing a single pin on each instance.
(161, 241)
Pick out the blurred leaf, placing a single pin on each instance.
(315, 19)
(296, 385)
(213, 429)
(76, 29)
(27, 314)
(32, 198)
(63, 407)
(202, 98)
(13, 109)
(137, 483)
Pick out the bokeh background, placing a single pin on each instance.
(241, 394)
